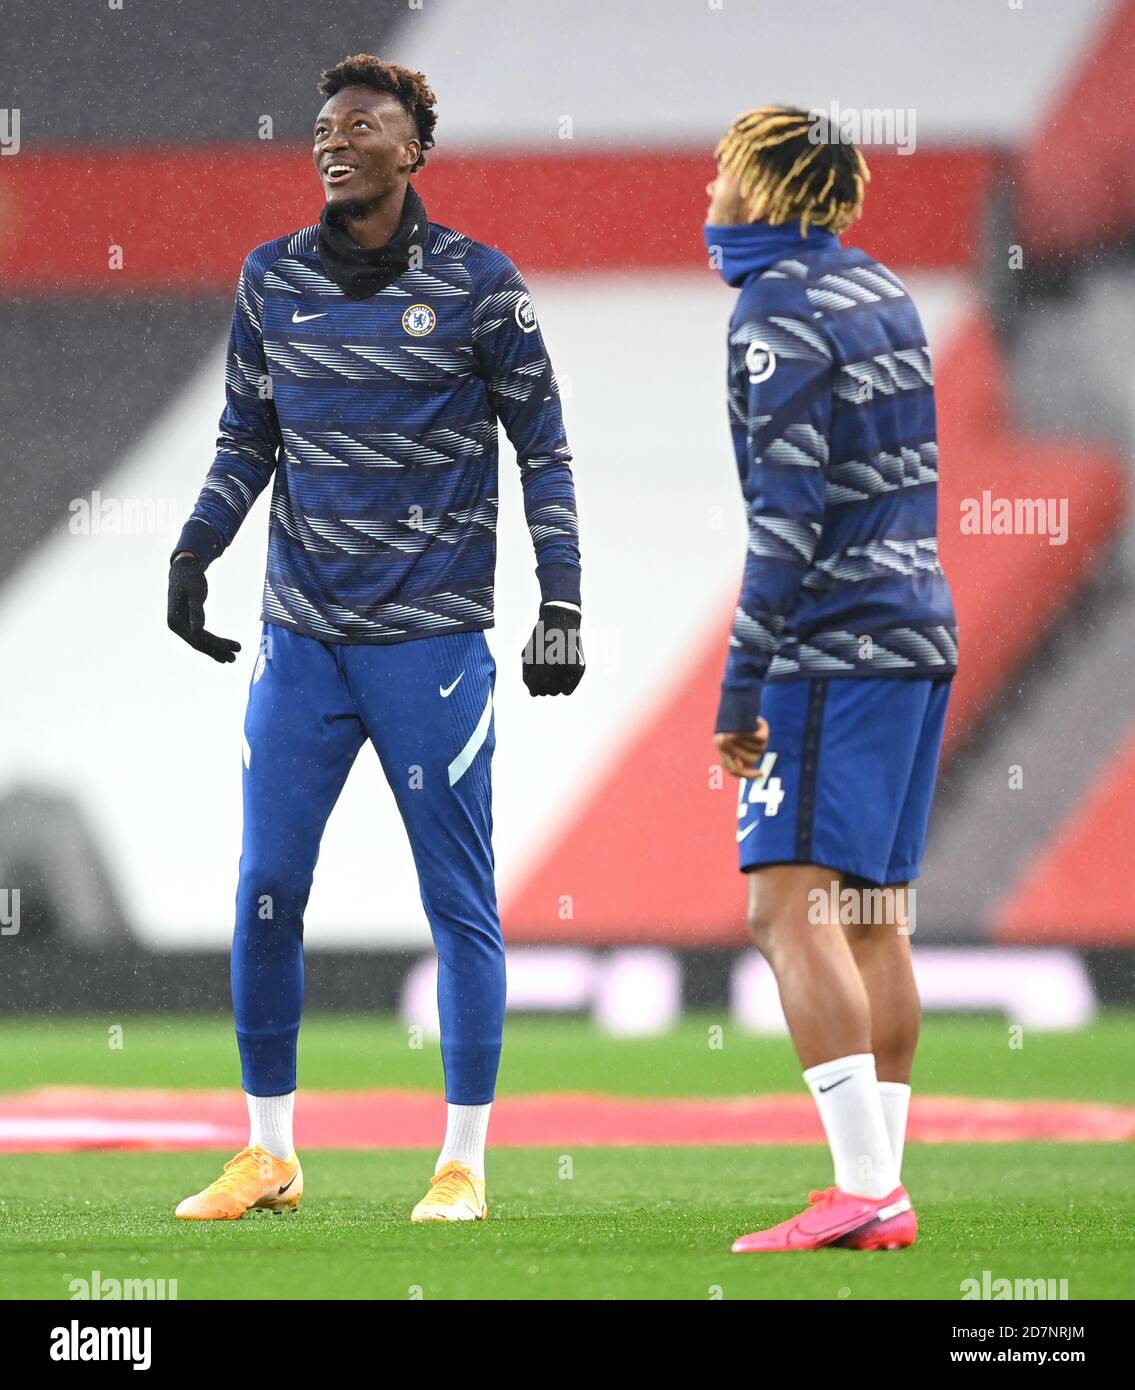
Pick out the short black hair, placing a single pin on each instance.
(409, 89)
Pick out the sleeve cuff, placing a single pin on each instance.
(739, 709)
(559, 582)
(200, 539)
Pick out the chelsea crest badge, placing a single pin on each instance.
(418, 320)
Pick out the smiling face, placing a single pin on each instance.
(365, 146)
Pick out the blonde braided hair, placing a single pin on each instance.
(789, 167)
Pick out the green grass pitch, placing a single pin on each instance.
(613, 1223)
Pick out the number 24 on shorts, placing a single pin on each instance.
(761, 790)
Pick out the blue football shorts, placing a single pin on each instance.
(847, 780)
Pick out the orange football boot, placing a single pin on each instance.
(454, 1195)
(254, 1179)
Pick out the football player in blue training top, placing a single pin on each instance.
(370, 359)
(834, 697)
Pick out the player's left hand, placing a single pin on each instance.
(741, 754)
(185, 610)
(553, 661)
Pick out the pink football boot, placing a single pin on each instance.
(835, 1217)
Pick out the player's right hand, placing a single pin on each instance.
(741, 754)
(185, 610)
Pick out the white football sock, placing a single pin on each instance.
(466, 1129)
(847, 1096)
(895, 1096)
(270, 1123)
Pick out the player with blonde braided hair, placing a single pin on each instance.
(787, 167)
(834, 698)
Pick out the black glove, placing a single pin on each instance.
(185, 612)
(553, 659)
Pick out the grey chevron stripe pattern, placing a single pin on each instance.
(552, 519)
(788, 337)
(443, 240)
(334, 449)
(752, 633)
(250, 300)
(303, 240)
(787, 269)
(800, 446)
(232, 491)
(368, 535)
(296, 277)
(855, 481)
(859, 562)
(246, 378)
(892, 649)
(516, 386)
(851, 288)
(495, 309)
(782, 538)
(905, 369)
(447, 611)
